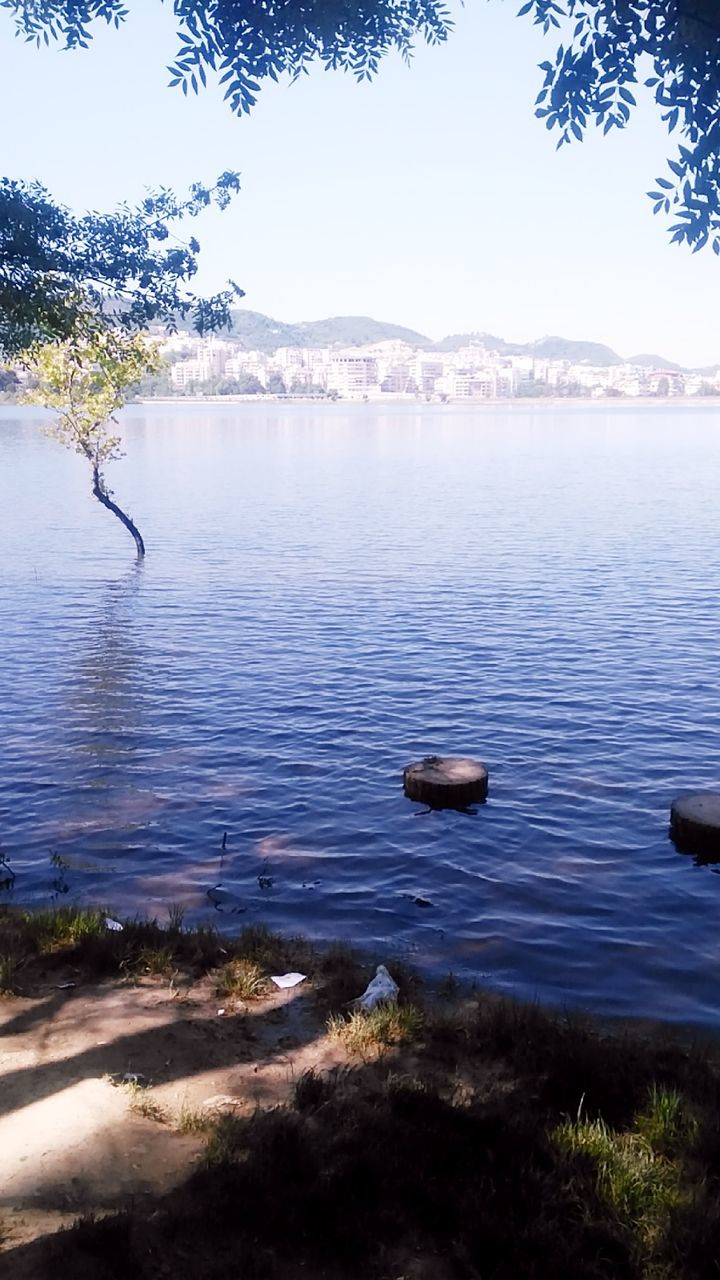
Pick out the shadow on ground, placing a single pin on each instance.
(502, 1144)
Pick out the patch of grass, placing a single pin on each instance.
(387, 1025)
(311, 1090)
(193, 1120)
(340, 976)
(257, 942)
(241, 979)
(154, 960)
(9, 965)
(666, 1122)
(449, 987)
(57, 927)
(640, 1187)
(176, 917)
(225, 1141)
(143, 1104)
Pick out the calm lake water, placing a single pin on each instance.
(331, 592)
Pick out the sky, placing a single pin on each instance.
(431, 197)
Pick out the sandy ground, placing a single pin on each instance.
(71, 1141)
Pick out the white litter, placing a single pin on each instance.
(220, 1013)
(113, 925)
(288, 979)
(382, 990)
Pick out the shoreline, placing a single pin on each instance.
(162, 1099)
(551, 402)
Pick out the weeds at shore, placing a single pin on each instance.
(193, 1120)
(143, 1104)
(474, 1137)
(9, 966)
(241, 980)
(389, 1024)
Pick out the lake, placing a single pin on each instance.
(331, 592)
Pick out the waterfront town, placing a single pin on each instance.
(218, 366)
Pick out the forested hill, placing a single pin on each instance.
(260, 333)
(257, 332)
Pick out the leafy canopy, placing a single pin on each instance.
(606, 46)
(127, 266)
(244, 41)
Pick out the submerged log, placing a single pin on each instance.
(695, 822)
(446, 782)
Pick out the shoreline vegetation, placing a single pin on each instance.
(242, 1130)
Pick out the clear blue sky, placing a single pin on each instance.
(431, 197)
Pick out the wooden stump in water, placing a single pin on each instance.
(446, 782)
(695, 822)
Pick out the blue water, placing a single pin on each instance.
(331, 592)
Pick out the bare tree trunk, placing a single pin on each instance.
(102, 495)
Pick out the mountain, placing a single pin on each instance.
(647, 361)
(355, 331)
(257, 332)
(487, 340)
(545, 348)
(577, 352)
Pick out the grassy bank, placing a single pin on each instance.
(464, 1136)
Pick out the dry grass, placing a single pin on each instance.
(142, 1103)
(241, 980)
(155, 961)
(507, 1143)
(389, 1024)
(9, 966)
(193, 1120)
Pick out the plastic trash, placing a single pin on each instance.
(130, 1077)
(288, 979)
(381, 990)
(113, 925)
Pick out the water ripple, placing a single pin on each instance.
(331, 592)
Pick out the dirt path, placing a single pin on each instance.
(73, 1142)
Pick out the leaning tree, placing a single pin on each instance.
(85, 380)
(605, 48)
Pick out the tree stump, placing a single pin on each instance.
(446, 782)
(695, 822)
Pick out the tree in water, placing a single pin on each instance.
(87, 379)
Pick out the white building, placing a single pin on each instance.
(352, 376)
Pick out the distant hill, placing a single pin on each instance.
(355, 331)
(457, 340)
(257, 332)
(577, 352)
(544, 348)
(648, 361)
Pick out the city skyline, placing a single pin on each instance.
(399, 368)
